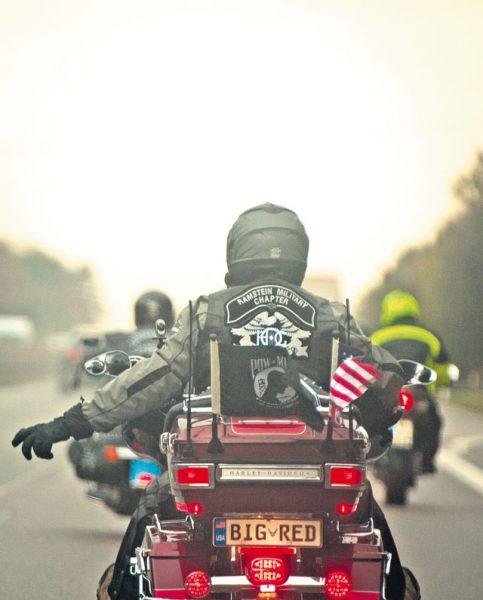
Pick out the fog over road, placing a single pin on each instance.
(55, 542)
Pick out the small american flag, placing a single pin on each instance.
(350, 380)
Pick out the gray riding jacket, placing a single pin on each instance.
(246, 315)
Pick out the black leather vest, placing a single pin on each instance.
(271, 314)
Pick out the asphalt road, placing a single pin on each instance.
(55, 542)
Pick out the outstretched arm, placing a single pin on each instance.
(150, 384)
(40, 438)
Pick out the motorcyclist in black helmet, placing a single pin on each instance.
(87, 455)
(148, 308)
(266, 256)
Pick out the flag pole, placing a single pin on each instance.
(189, 449)
(348, 325)
(215, 446)
(333, 366)
(215, 375)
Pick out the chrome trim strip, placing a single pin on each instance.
(271, 472)
(358, 532)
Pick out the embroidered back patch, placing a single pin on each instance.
(271, 316)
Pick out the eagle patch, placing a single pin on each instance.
(271, 315)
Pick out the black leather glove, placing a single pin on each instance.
(41, 437)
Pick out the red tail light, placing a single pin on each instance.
(345, 476)
(194, 475)
(406, 400)
(267, 566)
(337, 585)
(266, 571)
(194, 508)
(198, 584)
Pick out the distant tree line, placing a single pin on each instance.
(40, 287)
(447, 277)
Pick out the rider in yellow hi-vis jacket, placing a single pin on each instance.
(406, 337)
(267, 250)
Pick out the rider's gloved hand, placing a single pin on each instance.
(41, 437)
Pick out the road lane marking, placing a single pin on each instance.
(464, 443)
(461, 469)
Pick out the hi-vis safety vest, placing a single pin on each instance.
(414, 342)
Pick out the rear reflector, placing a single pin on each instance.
(344, 476)
(337, 585)
(345, 508)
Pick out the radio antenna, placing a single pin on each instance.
(348, 333)
(348, 321)
(189, 450)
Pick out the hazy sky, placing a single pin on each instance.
(133, 133)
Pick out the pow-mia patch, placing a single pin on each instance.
(270, 297)
(271, 389)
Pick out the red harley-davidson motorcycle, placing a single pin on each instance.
(275, 515)
(272, 509)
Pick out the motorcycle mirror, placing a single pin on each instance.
(417, 373)
(116, 362)
(96, 366)
(113, 362)
(160, 327)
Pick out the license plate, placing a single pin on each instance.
(142, 472)
(267, 532)
(403, 434)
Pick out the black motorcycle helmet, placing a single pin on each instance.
(266, 240)
(151, 306)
